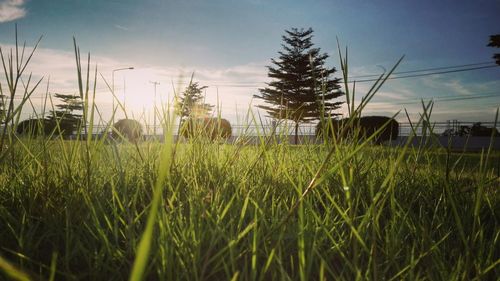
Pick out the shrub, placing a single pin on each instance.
(127, 128)
(330, 126)
(370, 124)
(367, 126)
(211, 128)
(478, 130)
(35, 127)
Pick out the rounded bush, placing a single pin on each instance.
(329, 127)
(370, 124)
(365, 127)
(127, 128)
(33, 127)
(211, 128)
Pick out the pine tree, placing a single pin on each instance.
(191, 103)
(68, 120)
(302, 90)
(495, 42)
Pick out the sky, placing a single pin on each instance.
(228, 44)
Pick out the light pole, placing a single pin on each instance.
(155, 83)
(113, 87)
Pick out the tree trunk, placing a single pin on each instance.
(296, 133)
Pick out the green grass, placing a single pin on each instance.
(92, 210)
(217, 219)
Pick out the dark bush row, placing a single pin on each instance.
(476, 130)
(362, 128)
(126, 128)
(211, 128)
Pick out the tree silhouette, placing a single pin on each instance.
(65, 116)
(302, 90)
(191, 104)
(495, 42)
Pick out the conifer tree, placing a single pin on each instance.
(495, 42)
(302, 89)
(69, 121)
(191, 104)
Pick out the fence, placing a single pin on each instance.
(405, 129)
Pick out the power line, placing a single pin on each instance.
(450, 69)
(427, 74)
(454, 98)
(426, 69)
(247, 84)
(476, 66)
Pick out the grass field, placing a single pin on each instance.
(229, 212)
(93, 210)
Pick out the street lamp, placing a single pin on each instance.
(113, 86)
(155, 83)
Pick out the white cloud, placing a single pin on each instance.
(231, 88)
(11, 10)
(124, 28)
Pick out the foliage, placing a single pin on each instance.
(220, 214)
(302, 90)
(191, 103)
(127, 128)
(36, 126)
(68, 121)
(14, 65)
(481, 131)
(476, 130)
(211, 128)
(495, 42)
(359, 128)
(3, 109)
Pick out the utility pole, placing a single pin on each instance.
(155, 83)
(113, 88)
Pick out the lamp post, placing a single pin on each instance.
(155, 83)
(113, 87)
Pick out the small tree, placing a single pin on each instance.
(302, 90)
(68, 120)
(191, 103)
(495, 42)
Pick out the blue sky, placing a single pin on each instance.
(228, 44)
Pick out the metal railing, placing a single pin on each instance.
(405, 129)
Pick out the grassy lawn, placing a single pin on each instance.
(78, 210)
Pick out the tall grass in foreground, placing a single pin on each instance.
(343, 210)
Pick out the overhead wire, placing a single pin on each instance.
(425, 69)
(451, 69)
(452, 98)
(430, 73)
(475, 66)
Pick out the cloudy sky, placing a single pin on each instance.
(227, 44)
